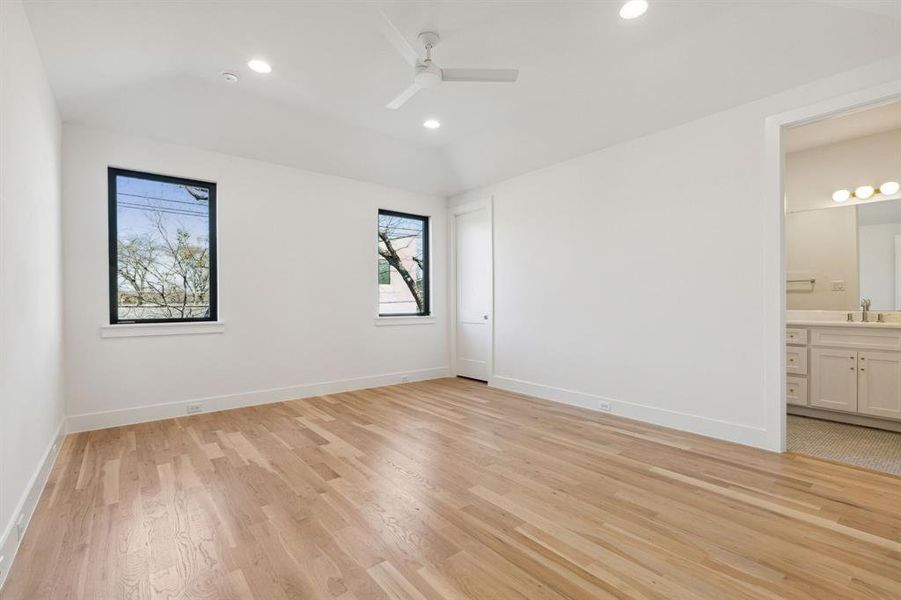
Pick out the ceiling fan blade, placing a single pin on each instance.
(483, 75)
(397, 39)
(404, 96)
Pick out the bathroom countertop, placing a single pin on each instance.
(814, 323)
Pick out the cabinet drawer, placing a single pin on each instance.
(857, 338)
(795, 335)
(796, 360)
(796, 390)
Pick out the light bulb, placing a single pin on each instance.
(889, 187)
(260, 66)
(841, 195)
(633, 9)
(864, 192)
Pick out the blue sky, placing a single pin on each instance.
(136, 198)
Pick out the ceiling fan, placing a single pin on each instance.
(426, 74)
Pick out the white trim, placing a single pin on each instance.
(9, 541)
(453, 212)
(169, 410)
(715, 428)
(387, 321)
(774, 244)
(149, 329)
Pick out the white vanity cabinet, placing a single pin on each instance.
(833, 379)
(796, 366)
(850, 369)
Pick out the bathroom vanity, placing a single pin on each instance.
(844, 370)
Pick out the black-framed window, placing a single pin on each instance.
(162, 248)
(404, 245)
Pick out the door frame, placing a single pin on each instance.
(486, 203)
(774, 242)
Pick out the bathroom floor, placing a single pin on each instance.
(862, 446)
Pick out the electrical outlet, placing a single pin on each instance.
(838, 285)
(193, 409)
(604, 405)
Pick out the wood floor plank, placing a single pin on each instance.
(448, 489)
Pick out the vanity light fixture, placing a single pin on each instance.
(889, 188)
(865, 192)
(633, 9)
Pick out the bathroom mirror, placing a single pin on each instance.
(839, 254)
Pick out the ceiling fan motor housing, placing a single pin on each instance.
(427, 74)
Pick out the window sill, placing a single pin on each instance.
(388, 321)
(150, 329)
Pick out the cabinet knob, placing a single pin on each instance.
(852, 368)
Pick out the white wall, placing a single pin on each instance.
(636, 273)
(31, 397)
(822, 244)
(282, 232)
(812, 175)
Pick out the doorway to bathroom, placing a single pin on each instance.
(842, 265)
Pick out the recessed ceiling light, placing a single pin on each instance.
(864, 192)
(260, 66)
(841, 195)
(889, 187)
(432, 124)
(229, 77)
(633, 9)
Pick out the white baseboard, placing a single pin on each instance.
(156, 412)
(9, 542)
(723, 430)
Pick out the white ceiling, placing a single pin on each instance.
(844, 127)
(587, 78)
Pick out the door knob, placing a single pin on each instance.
(485, 317)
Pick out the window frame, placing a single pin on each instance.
(426, 263)
(113, 244)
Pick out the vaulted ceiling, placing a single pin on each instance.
(588, 79)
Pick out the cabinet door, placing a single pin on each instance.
(879, 384)
(833, 379)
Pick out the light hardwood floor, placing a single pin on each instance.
(449, 489)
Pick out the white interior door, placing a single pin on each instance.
(473, 266)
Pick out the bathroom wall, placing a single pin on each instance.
(822, 244)
(812, 175)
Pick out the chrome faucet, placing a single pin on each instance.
(865, 312)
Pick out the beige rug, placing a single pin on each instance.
(871, 448)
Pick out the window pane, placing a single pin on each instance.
(403, 246)
(384, 272)
(163, 249)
